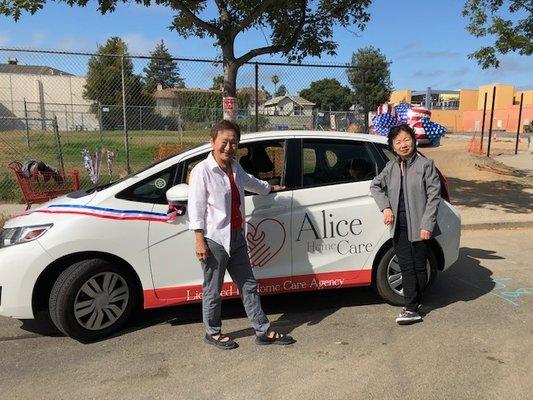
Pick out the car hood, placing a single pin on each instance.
(41, 215)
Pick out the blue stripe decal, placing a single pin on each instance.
(108, 209)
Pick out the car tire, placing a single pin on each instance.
(92, 299)
(387, 287)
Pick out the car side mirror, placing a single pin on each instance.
(178, 195)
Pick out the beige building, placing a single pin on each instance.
(288, 106)
(42, 93)
(462, 110)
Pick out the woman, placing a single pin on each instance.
(407, 192)
(216, 209)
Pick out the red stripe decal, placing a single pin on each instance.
(193, 293)
(124, 218)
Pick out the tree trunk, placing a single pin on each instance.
(230, 90)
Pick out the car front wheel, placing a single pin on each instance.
(92, 299)
(388, 278)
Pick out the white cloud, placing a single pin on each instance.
(37, 38)
(4, 39)
(72, 43)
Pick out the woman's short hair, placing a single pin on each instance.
(225, 125)
(395, 131)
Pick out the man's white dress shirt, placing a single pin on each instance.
(209, 203)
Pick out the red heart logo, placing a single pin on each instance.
(265, 240)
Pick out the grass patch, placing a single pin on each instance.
(143, 148)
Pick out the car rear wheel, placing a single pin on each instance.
(389, 277)
(92, 299)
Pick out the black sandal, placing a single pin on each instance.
(278, 338)
(220, 342)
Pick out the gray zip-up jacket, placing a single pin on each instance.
(421, 191)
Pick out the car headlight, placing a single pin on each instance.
(22, 234)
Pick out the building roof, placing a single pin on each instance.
(297, 99)
(31, 70)
(170, 93)
(432, 91)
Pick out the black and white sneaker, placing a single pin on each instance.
(408, 317)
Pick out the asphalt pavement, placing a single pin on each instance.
(475, 343)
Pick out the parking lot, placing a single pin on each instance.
(475, 342)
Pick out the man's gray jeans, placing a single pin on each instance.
(238, 266)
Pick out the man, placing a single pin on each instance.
(216, 209)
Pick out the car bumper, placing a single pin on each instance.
(20, 266)
(449, 221)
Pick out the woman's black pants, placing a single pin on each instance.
(412, 257)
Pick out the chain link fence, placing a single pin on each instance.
(117, 109)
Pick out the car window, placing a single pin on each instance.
(264, 160)
(152, 189)
(330, 162)
(386, 151)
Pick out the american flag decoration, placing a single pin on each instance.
(401, 111)
(433, 131)
(386, 109)
(382, 123)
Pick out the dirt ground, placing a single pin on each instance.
(482, 194)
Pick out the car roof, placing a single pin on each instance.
(314, 134)
(267, 135)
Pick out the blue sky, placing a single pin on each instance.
(425, 40)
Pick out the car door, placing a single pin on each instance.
(177, 274)
(336, 225)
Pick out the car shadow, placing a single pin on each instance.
(466, 280)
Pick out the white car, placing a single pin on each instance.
(92, 257)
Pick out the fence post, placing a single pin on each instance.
(491, 118)
(519, 120)
(126, 138)
(100, 121)
(363, 95)
(26, 123)
(58, 145)
(256, 97)
(483, 122)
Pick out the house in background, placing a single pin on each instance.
(288, 105)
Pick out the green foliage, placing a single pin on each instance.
(297, 28)
(162, 70)
(328, 94)
(282, 91)
(377, 86)
(218, 82)
(510, 35)
(104, 78)
(198, 106)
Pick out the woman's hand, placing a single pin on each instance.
(202, 251)
(388, 216)
(276, 188)
(425, 235)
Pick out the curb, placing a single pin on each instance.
(497, 225)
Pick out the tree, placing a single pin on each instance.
(297, 28)
(370, 79)
(218, 82)
(510, 35)
(103, 85)
(328, 94)
(282, 91)
(267, 93)
(275, 81)
(162, 70)
(104, 79)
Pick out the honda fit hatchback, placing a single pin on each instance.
(91, 258)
